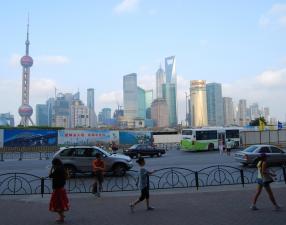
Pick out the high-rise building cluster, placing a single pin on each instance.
(67, 110)
(141, 109)
(207, 107)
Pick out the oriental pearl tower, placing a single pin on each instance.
(25, 110)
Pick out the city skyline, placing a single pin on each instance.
(247, 58)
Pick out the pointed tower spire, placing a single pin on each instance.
(27, 41)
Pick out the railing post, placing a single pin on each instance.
(197, 180)
(2, 156)
(284, 173)
(42, 186)
(21, 154)
(242, 177)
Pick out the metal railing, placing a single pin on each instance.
(166, 178)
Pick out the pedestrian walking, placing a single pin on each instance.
(229, 144)
(264, 178)
(59, 202)
(220, 146)
(143, 184)
(114, 147)
(98, 171)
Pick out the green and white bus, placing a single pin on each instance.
(201, 139)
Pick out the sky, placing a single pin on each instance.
(78, 45)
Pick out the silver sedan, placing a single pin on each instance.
(251, 154)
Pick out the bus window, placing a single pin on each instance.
(206, 135)
(186, 132)
(232, 134)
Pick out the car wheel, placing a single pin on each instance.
(70, 170)
(159, 154)
(119, 170)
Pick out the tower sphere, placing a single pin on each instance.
(25, 110)
(26, 61)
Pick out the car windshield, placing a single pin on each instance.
(133, 147)
(250, 149)
(103, 151)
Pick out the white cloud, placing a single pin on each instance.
(126, 6)
(276, 16)
(267, 88)
(278, 9)
(52, 59)
(110, 98)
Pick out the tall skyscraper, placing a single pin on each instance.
(90, 106)
(228, 111)
(170, 90)
(214, 104)
(130, 93)
(266, 113)
(198, 103)
(7, 119)
(106, 114)
(61, 110)
(42, 115)
(242, 112)
(50, 105)
(79, 114)
(141, 101)
(148, 102)
(25, 110)
(160, 80)
(159, 112)
(254, 111)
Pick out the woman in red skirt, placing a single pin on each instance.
(59, 201)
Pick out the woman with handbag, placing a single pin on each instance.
(264, 178)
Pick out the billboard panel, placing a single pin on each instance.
(134, 137)
(21, 138)
(87, 137)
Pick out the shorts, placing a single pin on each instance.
(144, 194)
(264, 184)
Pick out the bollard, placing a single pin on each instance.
(2, 157)
(197, 180)
(242, 177)
(42, 186)
(40, 155)
(21, 156)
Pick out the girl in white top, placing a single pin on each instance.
(264, 178)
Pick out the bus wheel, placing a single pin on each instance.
(211, 147)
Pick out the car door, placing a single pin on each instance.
(151, 150)
(277, 155)
(84, 159)
(265, 149)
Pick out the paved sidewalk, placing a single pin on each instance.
(180, 207)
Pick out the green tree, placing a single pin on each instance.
(256, 121)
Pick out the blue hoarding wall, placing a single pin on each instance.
(1, 138)
(24, 138)
(134, 137)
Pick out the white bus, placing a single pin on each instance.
(201, 139)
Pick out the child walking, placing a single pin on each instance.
(59, 201)
(143, 184)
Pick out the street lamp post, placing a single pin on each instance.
(187, 113)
